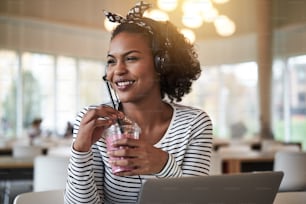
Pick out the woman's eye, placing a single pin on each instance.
(110, 62)
(131, 58)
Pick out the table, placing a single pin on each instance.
(247, 163)
(16, 168)
(8, 151)
(5, 151)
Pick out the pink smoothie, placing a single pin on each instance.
(109, 140)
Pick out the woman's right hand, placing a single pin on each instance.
(92, 125)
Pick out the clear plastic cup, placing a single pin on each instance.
(116, 132)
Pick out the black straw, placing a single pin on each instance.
(113, 102)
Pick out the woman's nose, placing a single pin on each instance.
(120, 68)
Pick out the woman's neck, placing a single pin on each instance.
(148, 115)
(153, 119)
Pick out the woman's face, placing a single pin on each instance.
(131, 68)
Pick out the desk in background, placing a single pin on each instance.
(16, 168)
(16, 175)
(8, 151)
(5, 151)
(248, 163)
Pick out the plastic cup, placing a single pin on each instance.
(116, 132)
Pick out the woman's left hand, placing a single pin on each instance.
(143, 157)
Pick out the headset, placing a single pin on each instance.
(160, 50)
(109, 91)
(160, 61)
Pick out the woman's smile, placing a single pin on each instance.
(124, 84)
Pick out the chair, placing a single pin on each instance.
(60, 151)
(215, 164)
(20, 151)
(272, 146)
(293, 164)
(290, 198)
(235, 150)
(23, 151)
(50, 172)
(282, 147)
(45, 197)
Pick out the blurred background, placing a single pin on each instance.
(252, 52)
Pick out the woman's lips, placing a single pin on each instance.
(122, 85)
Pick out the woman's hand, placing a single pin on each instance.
(144, 158)
(94, 122)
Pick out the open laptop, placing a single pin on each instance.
(247, 188)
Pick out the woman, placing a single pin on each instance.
(147, 62)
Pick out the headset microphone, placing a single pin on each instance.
(109, 90)
(112, 100)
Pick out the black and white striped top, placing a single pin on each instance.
(188, 141)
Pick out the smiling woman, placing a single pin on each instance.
(131, 66)
(149, 66)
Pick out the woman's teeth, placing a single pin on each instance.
(124, 83)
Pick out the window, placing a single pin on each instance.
(53, 88)
(92, 87)
(289, 106)
(38, 89)
(229, 95)
(66, 92)
(8, 93)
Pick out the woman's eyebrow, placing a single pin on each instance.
(125, 54)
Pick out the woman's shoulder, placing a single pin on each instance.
(185, 109)
(190, 114)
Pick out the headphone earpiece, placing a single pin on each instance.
(104, 77)
(158, 62)
(161, 59)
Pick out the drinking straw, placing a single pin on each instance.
(113, 102)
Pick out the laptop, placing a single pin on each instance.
(251, 188)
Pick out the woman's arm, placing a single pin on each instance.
(85, 170)
(197, 152)
(81, 186)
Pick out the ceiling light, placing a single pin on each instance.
(189, 34)
(224, 26)
(192, 20)
(157, 15)
(210, 15)
(195, 13)
(193, 6)
(220, 1)
(167, 5)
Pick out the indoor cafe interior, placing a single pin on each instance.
(253, 84)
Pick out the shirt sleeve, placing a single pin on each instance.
(85, 182)
(196, 160)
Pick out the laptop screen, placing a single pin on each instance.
(256, 187)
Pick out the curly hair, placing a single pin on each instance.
(176, 61)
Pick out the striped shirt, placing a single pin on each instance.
(188, 141)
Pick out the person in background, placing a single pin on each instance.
(35, 130)
(69, 130)
(238, 130)
(150, 66)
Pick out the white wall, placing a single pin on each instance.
(41, 36)
(58, 38)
